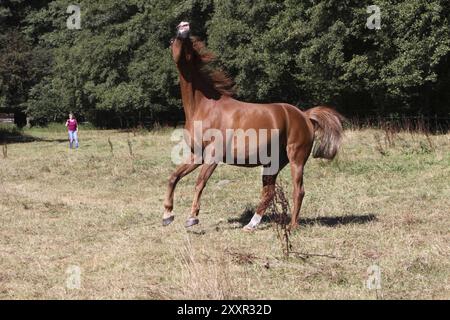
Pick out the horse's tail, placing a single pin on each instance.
(328, 131)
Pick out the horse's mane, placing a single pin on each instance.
(216, 77)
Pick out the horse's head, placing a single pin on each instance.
(180, 44)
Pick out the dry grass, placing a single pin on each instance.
(100, 208)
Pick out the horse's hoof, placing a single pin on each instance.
(168, 221)
(249, 229)
(191, 222)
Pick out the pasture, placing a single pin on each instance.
(384, 201)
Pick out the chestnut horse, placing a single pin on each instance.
(207, 98)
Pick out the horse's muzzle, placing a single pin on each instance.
(183, 34)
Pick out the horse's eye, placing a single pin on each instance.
(172, 40)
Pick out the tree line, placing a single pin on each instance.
(116, 71)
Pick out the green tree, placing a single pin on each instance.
(21, 64)
(117, 70)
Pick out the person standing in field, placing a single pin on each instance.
(72, 126)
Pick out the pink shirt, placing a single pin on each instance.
(72, 124)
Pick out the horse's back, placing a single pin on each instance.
(293, 124)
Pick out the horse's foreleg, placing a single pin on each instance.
(175, 177)
(205, 173)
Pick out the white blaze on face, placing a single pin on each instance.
(183, 27)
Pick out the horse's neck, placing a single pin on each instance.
(191, 96)
(188, 98)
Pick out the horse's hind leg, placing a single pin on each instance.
(268, 193)
(175, 177)
(297, 157)
(269, 180)
(205, 173)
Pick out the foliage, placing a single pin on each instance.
(117, 70)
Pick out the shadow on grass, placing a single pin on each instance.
(55, 140)
(7, 138)
(24, 138)
(335, 221)
(246, 216)
(331, 221)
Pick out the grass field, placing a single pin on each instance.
(384, 201)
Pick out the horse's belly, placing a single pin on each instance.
(251, 154)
